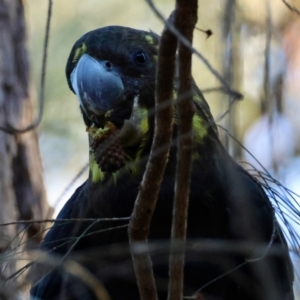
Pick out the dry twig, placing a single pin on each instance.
(291, 8)
(75, 269)
(227, 89)
(185, 21)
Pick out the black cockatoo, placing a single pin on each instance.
(112, 72)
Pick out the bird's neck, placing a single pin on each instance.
(136, 157)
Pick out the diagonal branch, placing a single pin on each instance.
(291, 8)
(150, 185)
(72, 268)
(226, 88)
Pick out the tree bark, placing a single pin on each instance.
(22, 191)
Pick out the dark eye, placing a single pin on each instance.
(140, 57)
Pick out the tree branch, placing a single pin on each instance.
(185, 21)
(10, 129)
(150, 185)
(291, 8)
(226, 88)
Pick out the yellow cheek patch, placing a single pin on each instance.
(96, 173)
(79, 52)
(199, 128)
(137, 137)
(144, 121)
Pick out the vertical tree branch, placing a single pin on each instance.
(21, 176)
(149, 188)
(185, 21)
(228, 64)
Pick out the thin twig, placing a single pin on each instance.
(183, 40)
(208, 32)
(266, 107)
(74, 268)
(281, 214)
(71, 184)
(229, 68)
(291, 8)
(64, 220)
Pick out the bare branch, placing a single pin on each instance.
(149, 188)
(291, 8)
(266, 106)
(9, 128)
(183, 40)
(185, 21)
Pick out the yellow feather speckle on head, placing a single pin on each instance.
(149, 39)
(79, 52)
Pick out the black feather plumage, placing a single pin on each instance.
(226, 203)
